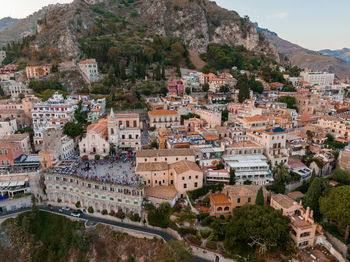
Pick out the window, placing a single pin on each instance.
(305, 234)
(195, 184)
(249, 199)
(189, 177)
(238, 200)
(183, 178)
(185, 185)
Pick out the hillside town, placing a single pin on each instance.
(201, 147)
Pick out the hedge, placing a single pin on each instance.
(197, 193)
(205, 234)
(194, 239)
(211, 245)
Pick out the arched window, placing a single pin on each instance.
(219, 209)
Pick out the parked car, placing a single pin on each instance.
(75, 214)
(50, 206)
(85, 211)
(66, 208)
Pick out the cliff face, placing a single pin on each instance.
(197, 22)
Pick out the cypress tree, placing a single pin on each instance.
(260, 197)
(312, 196)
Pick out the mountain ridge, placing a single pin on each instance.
(343, 54)
(306, 58)
(6, 22)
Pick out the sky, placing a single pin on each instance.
(313, 24)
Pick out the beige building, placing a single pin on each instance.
(124, 130)
(335, 126)
(184, 175)
(233, 197)
(304, 228)
(169, 167)
(8, 127)
(37, 71)
(274, 142)
(15, 114)
(164, 155)
(164, 118)
(257, 122)
(212, 118)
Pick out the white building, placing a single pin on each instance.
(249, 167)
(14, 88)
(317, 78)
(55, 112)
(89, 69)
(8, 127)
(2, 56)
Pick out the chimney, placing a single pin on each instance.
(307, 213)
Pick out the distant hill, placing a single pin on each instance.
(341, 53)
(7, 22)
(21, 27)
(306, 58)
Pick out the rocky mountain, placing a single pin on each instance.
(197, 22)
(15, 29)
(305, 58)
(341, 53)
(7, 22)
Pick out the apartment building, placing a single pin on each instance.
(15, 114)
(9, 151)
(335, 126)
(317, 78)
(22, 139)
(8, 127)
(38, 71)
(274, 142)
(212, 118)
(164, 118)
(55, 112)
(217, 176)
(89, 70)
(14, 88)
(124, 130)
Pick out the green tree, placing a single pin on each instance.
(176, 250)
(224, 89)
(232, 176)
(242, 84)
(259, 226)
(281, 173)
(260, 197)
(289, 100)
(342, 176)
(336, 206)
(188, 90)
(312, 196)
(205, 87)
(73, 129)
(177, 52)
(247, 182)
(160, 216)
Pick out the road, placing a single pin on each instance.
(167, 237)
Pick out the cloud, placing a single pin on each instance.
(278, 15)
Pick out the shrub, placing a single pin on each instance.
(112, 213)
(120, 214)
(91, 210)
(97, 157)
(202, 216)
(78, 205)
(59, 200)
(211, 245)
(104, 212)
(135, 217)
(194, 239)
(205, 234)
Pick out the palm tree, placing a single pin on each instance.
(281, 173)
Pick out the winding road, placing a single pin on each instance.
(57, 210)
